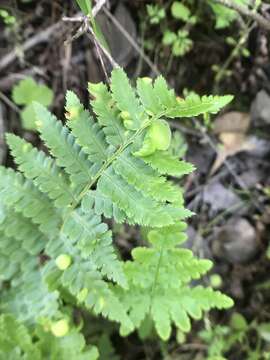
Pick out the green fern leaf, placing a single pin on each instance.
(126, 100)
(142, 210)
(10, 249)
(103, 205)
(166, 97)
(135, 172)
(158, 279)
(85, 230)
(148, 96)
(91, 236)
(167, 164)
(86, 283)
(107, 114)
(194, 105)
(42, 170)
(62, 146)
(158, 99)
(55, 248)
(23, 197)
(18, 227)
(88, 134)
(15, 340)
(31, 300)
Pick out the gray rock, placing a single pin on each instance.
(220, 198)
(260, 109)
(236, 241)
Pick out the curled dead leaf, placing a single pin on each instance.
(231, 128)
(233, 121)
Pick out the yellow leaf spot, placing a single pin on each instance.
(63, 261)
(60, 328)
(179, 99)
(39, 123)
(72, 113)
(101, 302)
(147, 80)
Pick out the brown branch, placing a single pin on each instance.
(101, 47)
(41, 37)
(86, 27)
(244, 10)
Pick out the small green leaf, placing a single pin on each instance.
(238, 322)
(27, 90)
(169, 37)
(180, 11)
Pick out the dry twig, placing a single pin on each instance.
(41, 37)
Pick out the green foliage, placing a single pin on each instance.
(27, 91)
(7, 18)
(182, 12)
(225, 16)
(181, 23)
(56, 246)
(158, 283)
(155, 13)
(17, 342)
(180, 42)
(222, 339)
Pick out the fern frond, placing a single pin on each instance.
(31, 300)
(54, 244)
(126, 99)
(20, 246)
(23, 197)
(22, 229)
(84, 230)
(107, 114)
(10, 249)
(165, 96)
(103, 205)
(159, 99)
(194, 105)
(135, 172)
(88, 134)
(62, 146)
(42, 170)
(85, 282)
(167, 164)
(148, 97)
(143, 210)
(91, 236)
(17, 342)
(158, 279)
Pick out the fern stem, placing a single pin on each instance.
(156, 276)
(106, 165)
